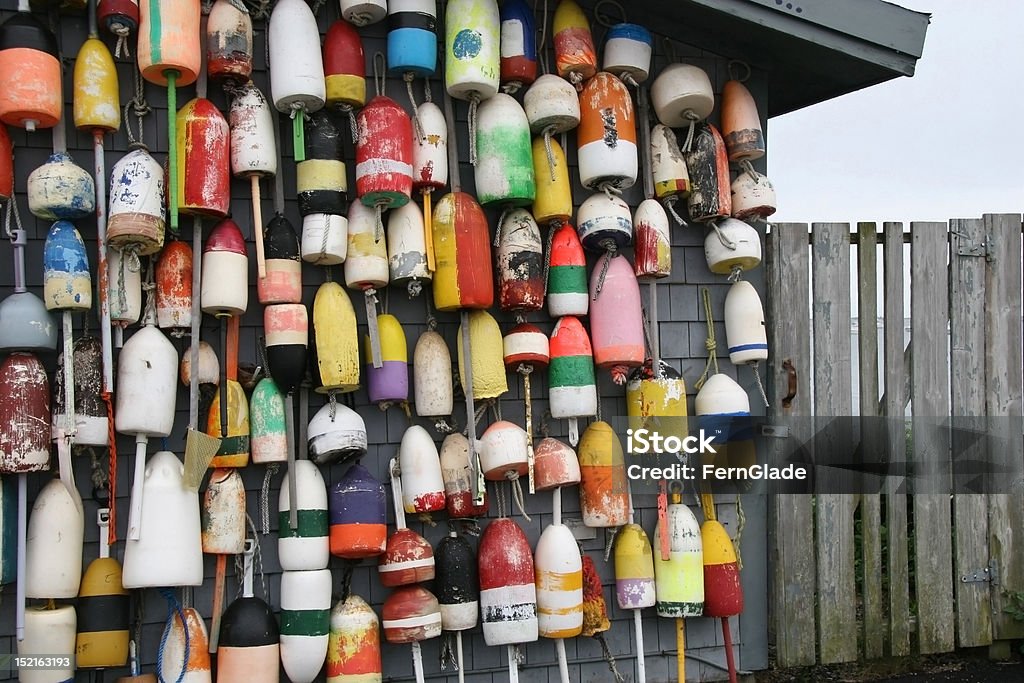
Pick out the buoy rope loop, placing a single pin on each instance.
(417, 129)
(628, 79)
(173, 608)
(710, 343)
(361, 19)
(512, 87)
(447, 654)
(691, 130)
(670, 206)
(149, 287)
(378, 217)
(543, 38)
(139, 106)
(122, 32)
(606, 654)
(547, 133)
(265, 498)
(736, 274)
(552, 227)
(760, 386)
(517, 493)
(379, 72)
(734, 66)
(602, 17)
(748, 168)
(610, 251)
(499, 234)
(332, 401)
(474, 104)
(610, 190)
(726, 242)
(350, 114)
(427, 95)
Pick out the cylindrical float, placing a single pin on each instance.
(604, 489)
(287, 334)
(488, 369)
(411, 614)
(432, 376)
(174, 286)
(389, 383)
(30, 74)
(679, 580)
(652, 243)
(634, 568)
(616, 317)
(344, 66)
(710, 196)
(306, 547)
(336, 434)
(422, 482)
(735, 245)
(225, 281)
(753, 196)
(363, 12)
(67, 285)
(51, 631)
(518, 44)
(268, 439)
(91, 425)
(745, 333)
(320, 177)
(556, 465)
(147, 371)
(53, 548)
(337, 339)
(572, 386)
(458, 478)
(606, 139)
(234, 442)
(604, 222)
(353, 649)
(60, 189)
(457, 586)
(503, 451)
(229, 42)
(627, 52)
(138, 203)
(567, 274)
(553, 203)
(412, 37)
(358, 515)
(462, 244)
(169, 41)
(407, 248)
(472, 62)
(508, 592)
(305, 622)
(204, 146)
(124, 289)
(324, 238)
(682, 95)
(383, 154)
(504, 161)
(559, 576)
(520, 262)
(283, 283)
(741, 124)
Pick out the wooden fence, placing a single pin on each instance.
(889, 574)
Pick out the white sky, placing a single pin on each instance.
(944, 144)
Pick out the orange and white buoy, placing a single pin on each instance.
(741, 124)
(575, 55)
(604, 492)
(353, 648)
(606, 140)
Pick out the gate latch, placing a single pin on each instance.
(989, 574)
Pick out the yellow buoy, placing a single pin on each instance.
(487, 357)
(554, 190)
(337, 339)
(96, 103)
(234, 445)
(604, 489)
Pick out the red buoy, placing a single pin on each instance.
(508, 594)
(384, 154)
(203, 141)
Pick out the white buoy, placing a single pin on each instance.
(732, 245)
(48, 632)
(53, 555)
(432, 376)
(336, 433)
(422, 482)
(305, 622)
(306, 547)
(324, 239)
(745, 332)
(125, 289)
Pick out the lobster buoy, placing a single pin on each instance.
(320, 177)
(575, 55)
(430, 151)
(616, 317)
(324, 238)
(234, 442)
(366, 266)
(229, 42)
(66, 282)
(734, 246)
(682, 95)
(169, 41)
(606, 140)
(552, 106)
(458, 479)
(60, 189)
(336, 338)
(137, 204)
(412, 37)
(91, 427)
(364, 12)
(723, 594)
(253, 145)
(8, 530)
(627, 52)
(204, 142)
(508, 592)
(50, 630)
(559, 576)
(462, 244)
(652, 244)
(472, 62)
(422, 483)
(174, 286)
(657, 400)
(504, 160)
(225, 283)
(287, 330)
(268, 440)
(411, 614)
(710, 196)
(306, 547)
(741, 124)
(605, 222)
(553, 204)
(344, 66)
(305, 622)
(407, 248)
(120, 17)
(745, 333)
(432, 376)
(503, 451)
(249, 647)
(103, 612)
(24, 412)
(525, 344)
(390, 382)
(668, 167)
(408, 559)
(520, 262)
(353, 649)
(634, 568)
(336, 433)
(30, 74)
(604, 492)
(358, 515)
(296, 65)
(125, 289)
(223, 513)
(722, 408)
(283, 283)
(97, 106)
(208, 368)
(567, 274)
(147, 368)
(556, 465)
(518, 45)
(53, 546)
(753, 196)
(572, 386)
(169, 550)
(458, 590)
(679, 580)
(383, 154)
(7, 165)
(488, 369)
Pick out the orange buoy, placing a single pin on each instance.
(6, 165)
(169, 41)
(741, 125)
(606, 139)
(30, 74)
(575, 55)
(604, 489)
(464, 276)
(710, 192)
(174, 286)
(353, 649)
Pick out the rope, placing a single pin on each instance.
(760, 386)
(670, 206)
(474, 103)
(691, 130)
(709, 343)
(606, 654)
(604, 19)
(748, 168)
(149, 288)
(576, 78)
(447, 655)
(140, 107)
(499, 233)
(416, 127)
(122, 33)
(317, 4)
(732, 66)
(517, 493)
(265, 498)
(541, 52)
(610, 253)
(111, 469)
(260, 8)
(552, 227)
(378, 216)
(547, 133)
(173, 609)
(332, 402)
(726, 242)
(379, 71)
(499, 494)
(353, 127)
(512, 87)
(740, 523)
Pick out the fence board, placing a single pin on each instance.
(792, 515)
(897, 558)
(870, 503)
(837, 617)
(933, 559)
(1003, 371)
(967, 368)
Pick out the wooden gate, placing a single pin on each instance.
(889, 574)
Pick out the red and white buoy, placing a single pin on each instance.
(422, 481)
(520, 262)
(229, 43)
(253, 148)
(526, 349)
(411, 615)
(408, 557)
(572, 387)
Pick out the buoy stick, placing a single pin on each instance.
(135, 511)
(574, 432)
(563, 662)
(730, 660)
(257, 226)
(513, 667)
(641, 665)
(417, 662)
(69, 378)
(458, 656)
(370, 295)
(103, 522)
(197, 317)
(475, 470)
(289, 428)
(556, 505)
(223, 375)
(299, 134)
(172, 151)
(19, 618)
(655, 341)
(218, 601)
(680, 649)
(247, 554)
(67, 474)
(531, 458)
(428, 230)
(396, 493)
(101, 262)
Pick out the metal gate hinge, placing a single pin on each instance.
(775, 431)
(989, 574)
(985, 248)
